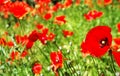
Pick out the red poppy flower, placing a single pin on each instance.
(47, 16)
(43, 6)
(60, 20)
(93, 14)
(4, 7)
(24, 53)
(33, 36)
(118, 26)
(18, 39)
(45, 30)
(36, 68)
(77, 2)
(116, 56)
(51, 36)
(117, 41)
(2, 41)
(42, 1)
(14, 55)
(98, 41)
(116, 45)
(43, 35)
(116, 50)
(67, 33)
(57, 6)
(29, 44)
(106, 2)
(24, 40)
(68, 3)
(56, 60)
(19, 9)
(10, 44)
(21, 39)
(41, 10)
(43, 38)
(39, 26)
(88, 3)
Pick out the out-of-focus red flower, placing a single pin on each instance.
(77, 2)
(60, 20)
(88, 3)
(56, 60)
(68, 3)
(41, 10)
(37, 68)
(45, 30)
(4, 7)
(43, 35)
(14, 55)
(6, 33)
(29, 44)
(51, 36)
(39, 26)
(43, 38)
(33, 36)
(18, 39)
(43, 6)
(19, 9)
(116, 56)
(10, 44)
(97, 42)
(107, 2)
(57, 6)
(116, 45)
(2, 41)
(67, 33)
(24, 53)
(93, 14)
(118, 26)
(21, 39)
(116, 50)
(47, 16)
(42, 1)
(118, 0)
(104, 2)
(117, 40)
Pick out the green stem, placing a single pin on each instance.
(112, 62)
(56, 45)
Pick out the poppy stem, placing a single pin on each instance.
(96, 66)
(43, 53)
(112, 62)
(56, 73)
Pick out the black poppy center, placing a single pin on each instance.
(103, 42)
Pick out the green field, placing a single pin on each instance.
(74, 21)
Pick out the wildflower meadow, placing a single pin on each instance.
(59, 37)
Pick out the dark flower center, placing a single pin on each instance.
(103, 42)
